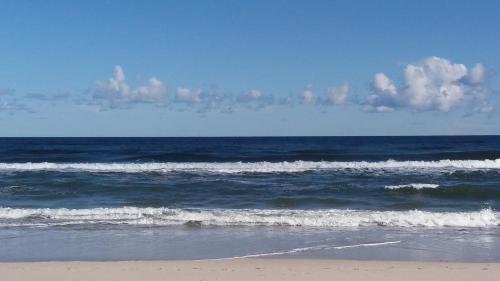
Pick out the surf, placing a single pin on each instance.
(253, 167)
(324, 218)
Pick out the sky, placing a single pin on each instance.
(249, 68)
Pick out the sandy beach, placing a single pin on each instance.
(249, 269)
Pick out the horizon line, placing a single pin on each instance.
(257, 136)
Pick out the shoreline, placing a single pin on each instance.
(248, 269)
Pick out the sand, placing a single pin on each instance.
(249, 269)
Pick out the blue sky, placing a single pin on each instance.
(243, 68)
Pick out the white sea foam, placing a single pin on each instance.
(252, 167)
(416, 186)
(249, 217)
(311, 248)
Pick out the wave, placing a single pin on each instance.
(12, 189)
(253, 167)
(461, 192)
(416, 186)
(327, 218)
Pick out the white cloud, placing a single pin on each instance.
(381, 108)
(154, 91)
(187, 95)
(432, 84)
(308, 97)
(382, 84)
(116, 92)
(339, 95)
(254, 100)
(476, 74)
(250, 96)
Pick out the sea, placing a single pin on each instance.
(430, 198)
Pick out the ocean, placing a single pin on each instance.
(403, 198)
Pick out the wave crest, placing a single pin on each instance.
(253, 167)
(248, 217)
(416, 186)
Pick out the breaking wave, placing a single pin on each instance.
(253, 167)
(247, 217)
(416, 186)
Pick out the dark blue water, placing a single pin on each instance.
(248, 149)
(54, 187)
(459, 189)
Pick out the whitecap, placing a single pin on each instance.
(327, 218)
(253, 167)
(417, 186)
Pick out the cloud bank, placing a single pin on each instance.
(116, 92)
(333, 96)
(433, 84)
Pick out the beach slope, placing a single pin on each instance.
(249, 269)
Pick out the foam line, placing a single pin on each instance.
(416, 186)
(304, 249)
(326, 218)
(249, 167)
